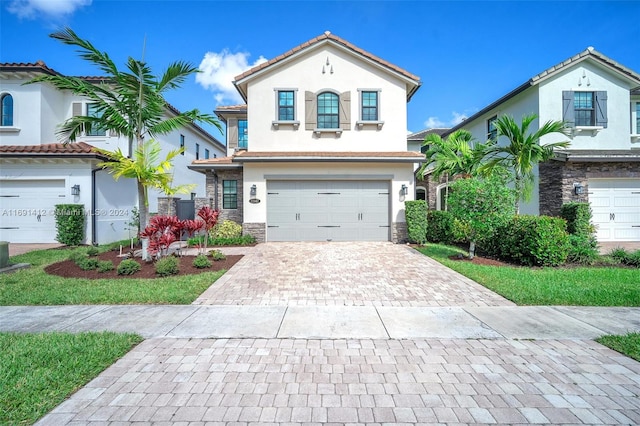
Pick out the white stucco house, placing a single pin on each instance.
(319, 150)
(37, 171)
(600, 101)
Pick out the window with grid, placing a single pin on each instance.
(637, 118)
(584, 109)
(92, 111)
(243, 137)
(6, 105)
(492, 132)
(206, 154)
(328, 116)
(197, 151)
(286, 105)
(369, 106)
(229, 194)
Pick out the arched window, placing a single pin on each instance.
(6, 110)
(443, 192)
(328, 111)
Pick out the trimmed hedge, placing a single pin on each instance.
(70, 221)
(415, 212)
(534, 240)
(578, 217)
(441, 227)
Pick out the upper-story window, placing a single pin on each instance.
(6, 107)
(369, 104)
(197, 151)
(206, 154)
(243, 137)
(182, 144)
(93, 111)
(585, 109)
(328, 111)
(637, 132)
(286, 105)
(492, 131)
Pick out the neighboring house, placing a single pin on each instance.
(319, 152)
(600, 100)
(415, 143)
(37, 172)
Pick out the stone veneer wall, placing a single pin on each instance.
(167, 206)
(257, 230)
(399, 233)
(557, 181)
(227, 214)
(200, 202)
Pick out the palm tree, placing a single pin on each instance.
(458, 154)
(524, 150)
(129, 103)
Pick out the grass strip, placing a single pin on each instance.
(39, 371)
(572, 286)
(628, 345)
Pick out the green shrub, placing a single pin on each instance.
(128, 267)
(167, 266)
(93, 251)
(618, 254)
(217, 255)
(201, 262)
(626, 258)
(415, 213)
(441, 227)
(534, 240)
(481, 206)
(583, 249)
(88, 263)
(578, 217)
(226, 229)
(243, 240)
(77, 255)
(70, 220)
(105, 266)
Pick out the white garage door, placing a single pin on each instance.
(327, 211)
(26, 210)
(616, 208)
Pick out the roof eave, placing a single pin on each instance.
(304, 159)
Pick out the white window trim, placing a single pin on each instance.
(13, 128)
(439, 189)
(295, 122)
(635, 129)
(362, 123)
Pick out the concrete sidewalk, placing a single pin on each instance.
(328, 322)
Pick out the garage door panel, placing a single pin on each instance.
(615, 204)
(327, 210)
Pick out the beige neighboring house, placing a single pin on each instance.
(600, 100)
(319, 150)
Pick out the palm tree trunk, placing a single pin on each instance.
(143, 207)
(446, 194)
(472, 249)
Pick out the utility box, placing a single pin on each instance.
(4, 254)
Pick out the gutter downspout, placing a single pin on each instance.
(94, 217)
(215, 190)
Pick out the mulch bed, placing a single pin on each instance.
(479, 260)
(68, 269)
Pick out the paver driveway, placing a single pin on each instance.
(350, 274)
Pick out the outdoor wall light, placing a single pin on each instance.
(254, 191)
(403, 189)
(75, 190)
(578, 189)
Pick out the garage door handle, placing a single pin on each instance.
(635, 226)
(273, 226)
(328, 193)
(328, 226)
(383, 226)
(9, 196)
(635, 192)
(612, 216)
(273, 193)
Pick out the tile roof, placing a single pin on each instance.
(242, 107)
(28, 66)
(335, 39)
(242, 155)
(214, 161)
(52, 149)
(597, 155)
(419, 136)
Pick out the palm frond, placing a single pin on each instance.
(86, 50)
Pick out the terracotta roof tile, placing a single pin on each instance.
(232, 107)
(28, 66)
(213, 161)
(419, 136)
(57, 149)
(329, 154)
(334, 38)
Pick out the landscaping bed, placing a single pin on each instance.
(69, 269)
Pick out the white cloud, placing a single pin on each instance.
(30, 9)
(456, 118)
(218, 71)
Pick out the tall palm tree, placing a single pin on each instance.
(524, 150)
(458, 154)
(129, 103)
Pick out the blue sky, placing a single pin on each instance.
(467, 54)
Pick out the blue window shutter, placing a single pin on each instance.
(568, 112)
(601, 109)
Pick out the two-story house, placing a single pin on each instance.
(319, 151)
(37, 172)
(599, 99)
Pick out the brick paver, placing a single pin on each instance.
(206, 381)
(351, 274)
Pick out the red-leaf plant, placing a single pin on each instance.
(191, 226)
(161, 232)
(210, 219)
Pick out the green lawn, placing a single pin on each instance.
(37, 372)
(33, 286)
(578, 286)
(628, 344)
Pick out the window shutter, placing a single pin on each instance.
(345, 110)
(232, 130)
(601, 109)
(568, 112)
(76, 109)
(310, 111)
